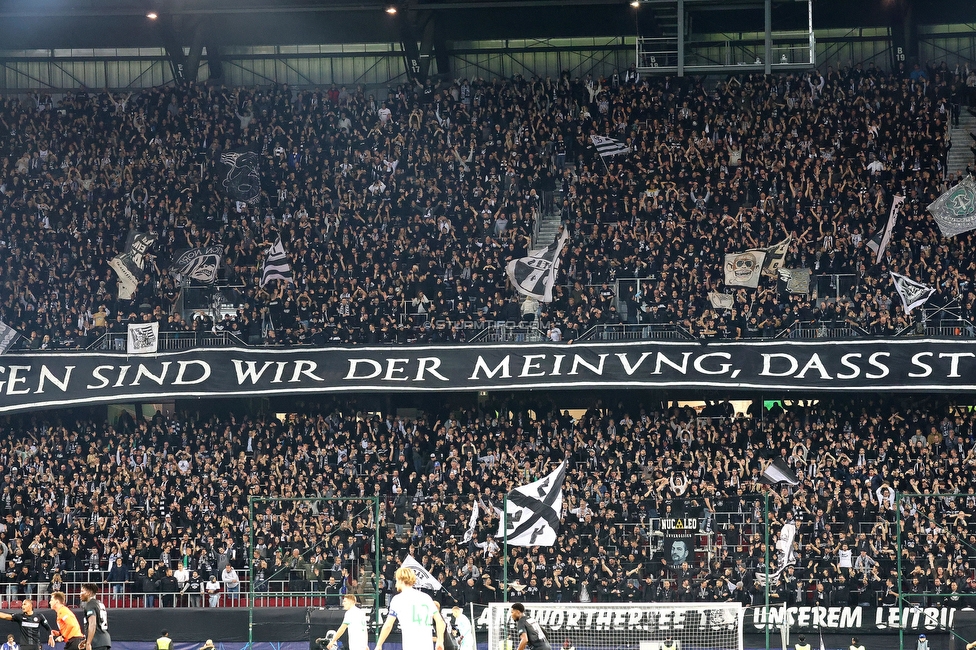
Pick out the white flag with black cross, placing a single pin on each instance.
(532, 511)
(425, 579)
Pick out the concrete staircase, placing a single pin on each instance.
(960, 155)
(548, 229)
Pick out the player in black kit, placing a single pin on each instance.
(96, 619)
(31, 624)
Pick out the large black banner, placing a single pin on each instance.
(58, 379)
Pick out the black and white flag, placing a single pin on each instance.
(913, 294)
(241, 175)
(143, 338)
(130, 263)
(276, 266)
(879, 247)
(607, 147)
(425, 579)
(744, 269)
(532, 511)
(776, 257)
(8, 336)
(472, 523)
(535, 274)
(197, 264)
(779, 472)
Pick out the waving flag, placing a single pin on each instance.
(607, 147)
(955, 209)
(425, 579)
(532, 511)
(879, 247)
(913, 294)
(276, 266)
(535, 274)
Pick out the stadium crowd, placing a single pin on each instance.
(400, 212)
(157, 508)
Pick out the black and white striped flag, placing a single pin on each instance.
(276, 266)
(535, 274)
(608, 146)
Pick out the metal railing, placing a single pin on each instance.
(168, 341)
(630, 332)
(509, 333)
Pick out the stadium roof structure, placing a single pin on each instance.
(124, 23)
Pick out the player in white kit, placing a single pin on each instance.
(353, 622)
(416, 612)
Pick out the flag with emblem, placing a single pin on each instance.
(913, 294)
(128, 266)
(535, 274)
(721, 300)
(143, 338)
(744, 269)
(955, 209)
(425, 579)
(532, 511)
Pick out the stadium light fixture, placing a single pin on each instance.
(635, 3)
(152, 15)
(391, 9)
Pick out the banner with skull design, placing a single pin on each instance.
(744, 269)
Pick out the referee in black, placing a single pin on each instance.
(31, 624)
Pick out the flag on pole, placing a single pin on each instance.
(535, 274)
(129, 264)
(913, 294)
(143, 338)
(779, 472)
(8, 336)
(955, 209)
(879, 247)
(532, 511)
(425, 579)
(276, 266)
(472, 523)
(607, 147)
(776, 257)
(744, 269)
(822, 646)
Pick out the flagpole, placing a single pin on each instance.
(505, 551)
(768, 572)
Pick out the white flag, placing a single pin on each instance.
(143, 338)
(608, 146)
(472, 523)
(721, 300)
(913, 294)
(532, 511)
(881, 246)
(425, 580)
(743, 269)
(535, 274)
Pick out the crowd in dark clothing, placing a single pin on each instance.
(127, 501)
(400, 210)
